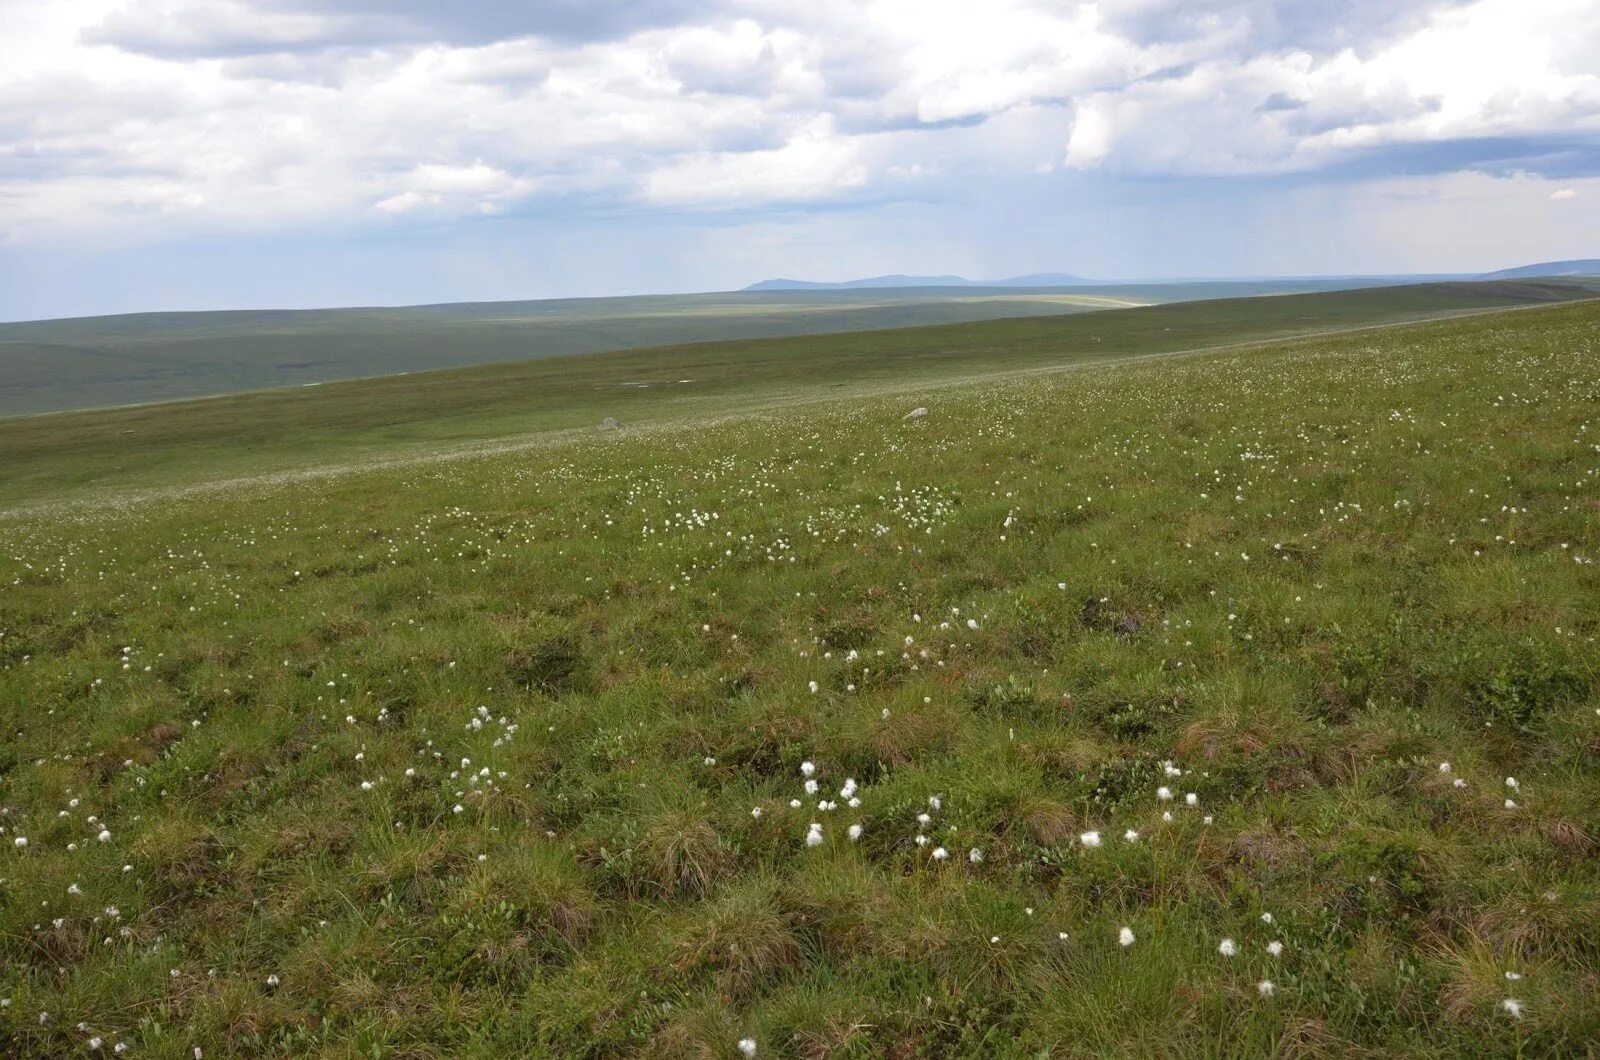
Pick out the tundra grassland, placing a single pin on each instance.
(1238, 704)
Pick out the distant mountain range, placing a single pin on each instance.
(1579, 267)
(1038, 279)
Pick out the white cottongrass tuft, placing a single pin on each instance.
(940, 853)
(808, 768)
(1131, 836)
(1090, 839)
(1513, 1007)
(1265, 988)
(1125, 937)
(1164, 794)
(747, 1046)
(1191, 799)
(814, 835)
(975, 855)
(1275, 948)
(854, 832)
(1227, 948)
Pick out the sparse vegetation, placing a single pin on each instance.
(1238, 704)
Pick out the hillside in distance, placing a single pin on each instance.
(1576, 267)
(151, 445)
(97, 362)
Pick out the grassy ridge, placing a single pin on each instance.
(152, 446)
(466, 759)
(53, 365)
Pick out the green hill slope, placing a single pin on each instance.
(1156, 708)
(156, 445)
(56, 365)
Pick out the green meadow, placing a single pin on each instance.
(1197, 680)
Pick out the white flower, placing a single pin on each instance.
(74, 889)
(922, 840)
(1227, 948)
(1459, 783)
(934, 802)
(808, 769)
(940, 853)
(1513, 1007)
(1444, 767)
(366, 785)
(1266, 918)
(95, 1043)
(1131, 836)
(813, 687)
(1164, 793)
(794, 804)
(975, 855)
(104, 836)
(1265, 988)
(1511, 782)
(1191, 799)
(1512, 977)
(854, 832)
(972, 623)
(923, 819)
(811, 787)
(755, 811)
(1090, 839)
(1511, 804)
(1125, 937)
(747, 1046)
(814, 835)
(1275, 948)
(20, 842)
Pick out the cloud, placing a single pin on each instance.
(1563, 195)
(816, 163)
(140, 118)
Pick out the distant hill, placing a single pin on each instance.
(1579, 267)
(1037, 279)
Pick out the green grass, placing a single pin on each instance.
(48, 457)
(1305, 573)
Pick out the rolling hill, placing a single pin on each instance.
(57, 365)
(1234, 704)
(152, 445)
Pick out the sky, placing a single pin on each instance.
(202, 154)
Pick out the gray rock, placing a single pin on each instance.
(916, 414)
(610, 423)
